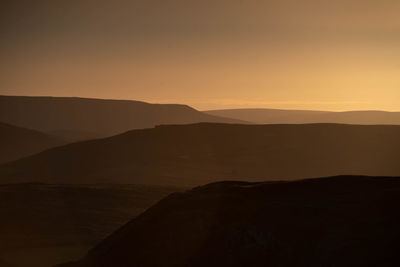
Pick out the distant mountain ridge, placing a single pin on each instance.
(99, 117)
(17, 142)
(342, 221)
(279, 116)
(201, 153)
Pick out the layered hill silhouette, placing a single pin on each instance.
(95, 117)
(338, 221)
(17, 142)
(278, 116)
(71, 136)
(206, 152)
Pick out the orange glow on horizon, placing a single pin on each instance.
(340, 55)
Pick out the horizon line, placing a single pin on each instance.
(204, 110)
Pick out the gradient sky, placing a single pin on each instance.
(309, 54)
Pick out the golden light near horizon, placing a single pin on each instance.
(327, 55)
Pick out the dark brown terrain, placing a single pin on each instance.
(17, 142)
(338, 221)
(72, 136)
(42, 225)
(5, 264)
(82, 117)
(196, 154)
(279, 116)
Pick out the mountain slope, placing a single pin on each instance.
(71, 136)
(42, 225)
(339, 221)
(201, 153)
(95, 116)
(277, 116)
(17, 142)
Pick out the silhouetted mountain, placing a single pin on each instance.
(339, 221)
(17, 142)
(278, 116)
(201, 153)
(97, 116)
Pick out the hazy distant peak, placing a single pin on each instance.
(17, 142)
(102, 117)
(277, 116)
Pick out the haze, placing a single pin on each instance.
(330, 55)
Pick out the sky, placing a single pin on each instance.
(210, 54)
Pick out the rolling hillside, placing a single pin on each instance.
(278, 116)
(98, 117)
(339, 221)
(201, 153)
(17, 142)
(42, 225)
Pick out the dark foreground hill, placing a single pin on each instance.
(17, 142)
(42, 225)
(339, 221)
(202, 153)
(96, 117)
(277, 116)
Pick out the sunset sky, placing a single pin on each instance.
(210, 54)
